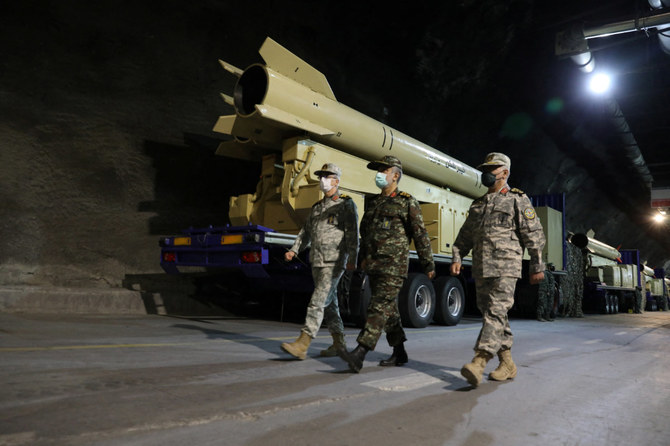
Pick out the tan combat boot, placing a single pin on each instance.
(506, 369)
(473, 371)
(299, 347)
(338, 343)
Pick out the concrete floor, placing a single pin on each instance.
(160, 380)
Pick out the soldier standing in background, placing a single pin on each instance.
(391, 221)
(574, 281)
(332, 231)
(546, 294)
(499, 226)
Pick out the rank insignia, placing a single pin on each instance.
(529, 213)
(386, 223)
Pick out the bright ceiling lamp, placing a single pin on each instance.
(600, 83)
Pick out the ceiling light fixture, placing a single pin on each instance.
(600, 83)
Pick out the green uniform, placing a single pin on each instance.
(387, 228)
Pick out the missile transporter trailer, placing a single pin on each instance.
(658, 291)
(614, 280)
(288, 118)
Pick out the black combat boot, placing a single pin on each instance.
(398, 358)
(355, 357)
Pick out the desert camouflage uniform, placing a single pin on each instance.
(332, 231)
(387, 228)
(499, 225)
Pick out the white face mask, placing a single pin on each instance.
(326, 184)
(380, 180)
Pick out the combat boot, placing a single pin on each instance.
(506, 369)
(338, 344)
(355, 357)
(474, 370)
(398, 358)
(298, 348)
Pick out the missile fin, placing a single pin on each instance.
(254, 130)
(231, 68)
(285, 62)
(229, 99)
(225, 124)
(278, 115)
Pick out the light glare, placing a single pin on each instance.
(600, 83)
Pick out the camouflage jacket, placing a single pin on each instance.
(388, 226)
(331, 232)
(498, 227)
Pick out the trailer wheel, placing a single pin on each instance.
(359, 298)
(615, 303)
(450, 300)
(416, 301)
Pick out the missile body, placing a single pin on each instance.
(647, 271)
(287, 97)
(595, 247)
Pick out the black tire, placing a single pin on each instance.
(659, 303)
(615, 303)
(416, 301)
(359, 298)
(449, 300)
(602, 304)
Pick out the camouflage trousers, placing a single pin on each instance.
(323, 305)
(545, 297)
(495, 297)
(383, 312)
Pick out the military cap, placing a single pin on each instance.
(329, 169)
(387, 161)
(496, 159)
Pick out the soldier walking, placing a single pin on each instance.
(332, 231)
(499, 226)
(392, 219)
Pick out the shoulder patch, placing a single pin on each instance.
(346, 197)
(405, 194)
(516, 191)
(529, 213)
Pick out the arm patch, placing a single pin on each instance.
(529, 213)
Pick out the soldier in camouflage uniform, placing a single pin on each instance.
(499, 226)
(332, 231)
(392, 219)
(545, 297)
(574, 281)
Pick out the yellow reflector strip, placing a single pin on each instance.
(182, 241)
(231, 239)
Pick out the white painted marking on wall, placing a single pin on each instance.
(543, 351)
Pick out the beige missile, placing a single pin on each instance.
(647, 271)
(593, 246)
(287, 97)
